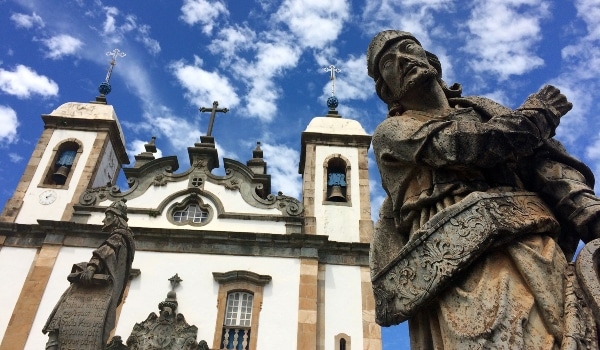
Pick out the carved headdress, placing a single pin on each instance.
(382, 41)
(119, 208)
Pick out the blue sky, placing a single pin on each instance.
(264, 61)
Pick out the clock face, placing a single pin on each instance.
(47, 197)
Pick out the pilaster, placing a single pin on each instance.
(30, 298)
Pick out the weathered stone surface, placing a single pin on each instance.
(484, 209)
(85, 314)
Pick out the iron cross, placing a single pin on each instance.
(214, 111)
(114, 53)
(333, 69)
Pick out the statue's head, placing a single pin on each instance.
(115, 216)
(392, 41)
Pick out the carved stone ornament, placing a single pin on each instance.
(446, 245)
(166, 331)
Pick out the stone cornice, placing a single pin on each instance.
(82, 124)
(341, 140)
(191, 241)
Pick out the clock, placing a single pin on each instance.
(48, 197)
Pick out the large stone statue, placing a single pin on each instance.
(484, 210)
(85, 314)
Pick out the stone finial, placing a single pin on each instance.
(257, 164)
(147, 156)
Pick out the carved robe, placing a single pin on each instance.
(462, 249)
(85, 315)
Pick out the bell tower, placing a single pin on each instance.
(82, 146)
(336, 199)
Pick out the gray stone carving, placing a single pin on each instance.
(85, 313)
(166, 331)
(484, 210)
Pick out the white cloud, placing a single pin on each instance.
(117, 26)
(314, 22)
(271, 60)
(282, 163)
(8, 125)
(61, 45)
(27, 21)
(137, 146)
(415, 16)
(204, 87)
(15, 158)
(204, 12)
(24, 81)
(230, 40)
(589, 11)
(143, 36)
(502, 36)
(109, 26)
(352, 83)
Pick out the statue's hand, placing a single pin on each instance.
(552, 96)
(87, 275)
(549, 99)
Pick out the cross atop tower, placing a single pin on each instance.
(213, 111)
(333, 69)
(105, 87)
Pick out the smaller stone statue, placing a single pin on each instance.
(85, 314)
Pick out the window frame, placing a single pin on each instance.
(64, 145)
(193, 199)
(239, 281)
(329, 162)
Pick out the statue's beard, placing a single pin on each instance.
(424, 74)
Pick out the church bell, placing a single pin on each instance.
(336, 194)
(60, 176)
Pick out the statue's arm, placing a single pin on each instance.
(461, 143)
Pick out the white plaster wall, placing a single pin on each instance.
(156, 195)
(57, 284)
(339, 222)
(343, 305)
(32, 210)
(14, 267)
(197, 294)
(108, 167)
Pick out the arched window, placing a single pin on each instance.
(63, 161)
(240, 299)
(336, 180)
(342, 342)
(191, 211)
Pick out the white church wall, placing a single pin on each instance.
(55, 210)
(155, 195)
(233, 202)
(19, 260)
(107, 170)
(196, 295)
(343, 305)
(339, 222)
(57, 284)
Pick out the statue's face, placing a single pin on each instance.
(109, 221)
(403, 66)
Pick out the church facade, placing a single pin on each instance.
(255, 269)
